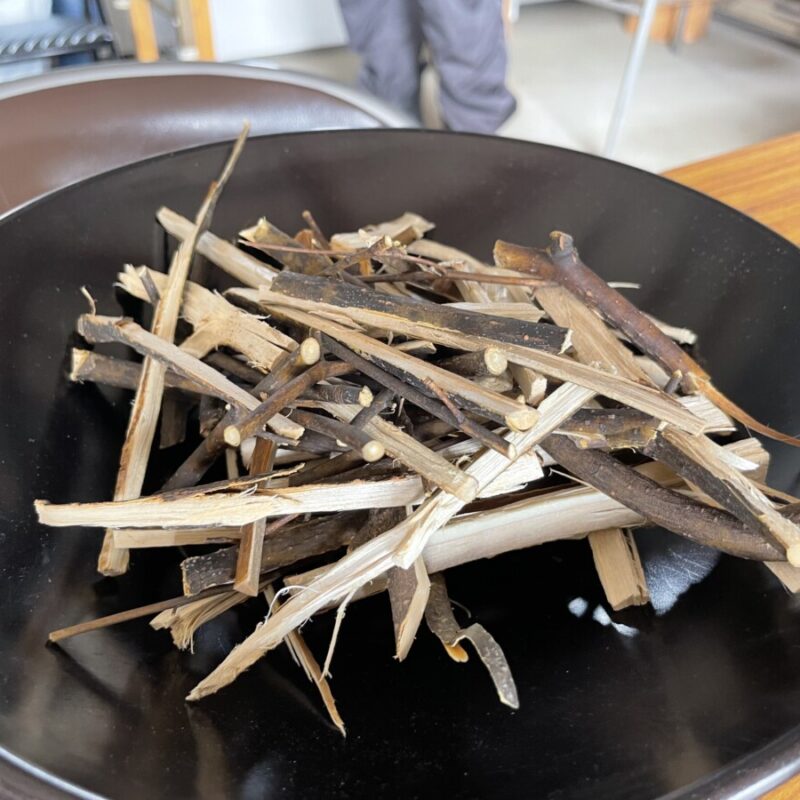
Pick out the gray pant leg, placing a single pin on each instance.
(468, 47)
(387, 36)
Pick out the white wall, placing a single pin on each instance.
(252, 28)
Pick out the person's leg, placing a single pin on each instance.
(467, 44)
(387, 36)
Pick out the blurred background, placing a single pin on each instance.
(705, 77)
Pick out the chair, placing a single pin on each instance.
(74, 123)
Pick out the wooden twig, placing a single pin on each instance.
(305, 658)
(390, 313)
(97, 368)
(486, 362)
(126, 616)
(663, 507)
(319, 236)
(619, 567)
(244, 268)
(266, 411)
(98, 329)
(147, 399)
(369, 449)
(563, 264)
(248, 564)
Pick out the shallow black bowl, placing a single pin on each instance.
(703, 702)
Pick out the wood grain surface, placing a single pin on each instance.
(762, 180)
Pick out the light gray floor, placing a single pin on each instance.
(566, 59)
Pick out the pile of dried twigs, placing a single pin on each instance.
(378, 387)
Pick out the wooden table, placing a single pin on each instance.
(763, 181)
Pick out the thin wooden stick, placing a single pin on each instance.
(563, 264)
(390, 312)
(112, 329)
(305, 658)
(251, 544)
(126, 616)
(261, 414)
(517, 416)
(147, 400)
(244, 268)
(97, 368)
(663, 507)
(369, 449)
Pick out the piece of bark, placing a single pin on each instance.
(412, 225)
(244, 268)
(663, 507)
(174, 419)
(143, 418)
(619, 568)
(616, 387)
(408, 593)
(109, 371)
(698, 460)
(562, 263)
(282, 548)
(440, 619)
(382, 311)
(251, 543)
(264, 233)
(516, 415)
(216, 321)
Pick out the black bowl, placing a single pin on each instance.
(701, 703)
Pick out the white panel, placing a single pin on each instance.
(252, 28)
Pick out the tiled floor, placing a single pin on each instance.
(731, 89)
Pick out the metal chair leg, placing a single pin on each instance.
(646, 15)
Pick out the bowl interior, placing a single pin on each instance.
(603, 715)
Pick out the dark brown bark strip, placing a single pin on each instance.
(664, 507)
(549, 338)
(562, 264)
(284, 547)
